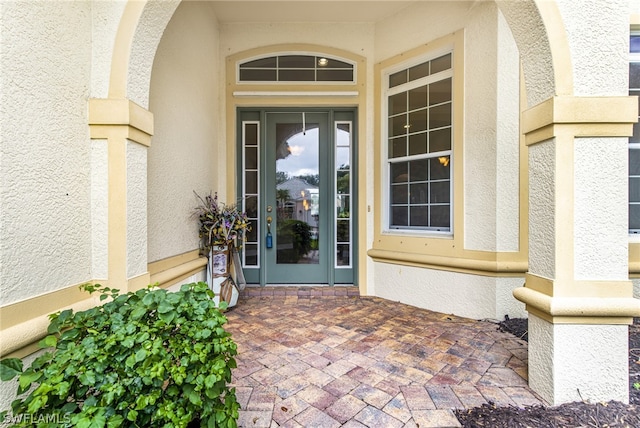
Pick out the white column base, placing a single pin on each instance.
(578, 362)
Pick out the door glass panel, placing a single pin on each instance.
(343, 194)
(251, 182)
(297, 193)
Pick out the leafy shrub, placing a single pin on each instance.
(147, 359)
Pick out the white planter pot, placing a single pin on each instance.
(219, 276)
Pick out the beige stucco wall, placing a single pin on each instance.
(45, 195)
(184, 152)
(105, 19)
(491, 147)
(491, 141)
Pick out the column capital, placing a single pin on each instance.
(580, 117)
(579, 302)
(120, 117)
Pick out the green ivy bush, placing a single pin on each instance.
(146, 359)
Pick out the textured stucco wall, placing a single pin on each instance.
(354, 37)
(105, 20)
(99, 209)
(491, 135)
(575, 362)
(418, 23)
(531, 36)
(600, 217)
(471, 296)
(491, 140)
(184, 101)
(136, 209)
(605, 70)
(45, 226)
(508, 134)
(542, 209)
(155, 16)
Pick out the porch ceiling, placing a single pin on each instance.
(306, 10)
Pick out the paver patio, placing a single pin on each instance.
(326, 357)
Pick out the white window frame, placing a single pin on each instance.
(244, 190)
(297, 82)
(336, 123)
(386, 93)
(634, 57)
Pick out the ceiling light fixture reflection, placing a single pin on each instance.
(444, 160)
(322, 62)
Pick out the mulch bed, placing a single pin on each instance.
(570, 415)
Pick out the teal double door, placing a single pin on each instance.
(298, 185)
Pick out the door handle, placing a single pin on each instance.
(269, 239)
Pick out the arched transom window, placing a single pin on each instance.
(296, 68)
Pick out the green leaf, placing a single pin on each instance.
(88, 378)
(167, 317)
(50, 341)
(138, 313)
(115, 421)
(194, 397)
(141, 355)
(83, 422)
(132, 415)
(165, 307)
(27, 378)
(99, 420)
(10, 368)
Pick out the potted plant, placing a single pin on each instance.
(151, 358)
(222, 228)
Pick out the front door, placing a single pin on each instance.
(297, 187)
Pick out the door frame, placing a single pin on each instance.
(335, 274)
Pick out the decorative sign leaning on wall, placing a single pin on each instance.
(221, 228)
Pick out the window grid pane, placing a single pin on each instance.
(420, 193)
(342, 194)
(634, 140)
(634, 189)
(251, 186)
(296, 68)
(419, 148)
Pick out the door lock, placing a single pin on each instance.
(269, 239)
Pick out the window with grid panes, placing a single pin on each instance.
(419, 146)
(296, 68)
(634, 141)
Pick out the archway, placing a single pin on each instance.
(556, 122)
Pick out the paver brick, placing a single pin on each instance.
(372, 417)
(444, 397)
(345, 408)
(365, 362)
(371, 395)
(317, 397)
(314, 418)
(436, 419)
(398, 408)
(417, 398)
(288, 408)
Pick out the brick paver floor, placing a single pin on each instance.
(326, 357)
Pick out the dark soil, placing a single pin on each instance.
(569, 415)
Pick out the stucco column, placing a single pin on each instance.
(125, 128)
(577, 291)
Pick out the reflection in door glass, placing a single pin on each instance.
(297, 197)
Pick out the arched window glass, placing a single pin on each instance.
(296, 68)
